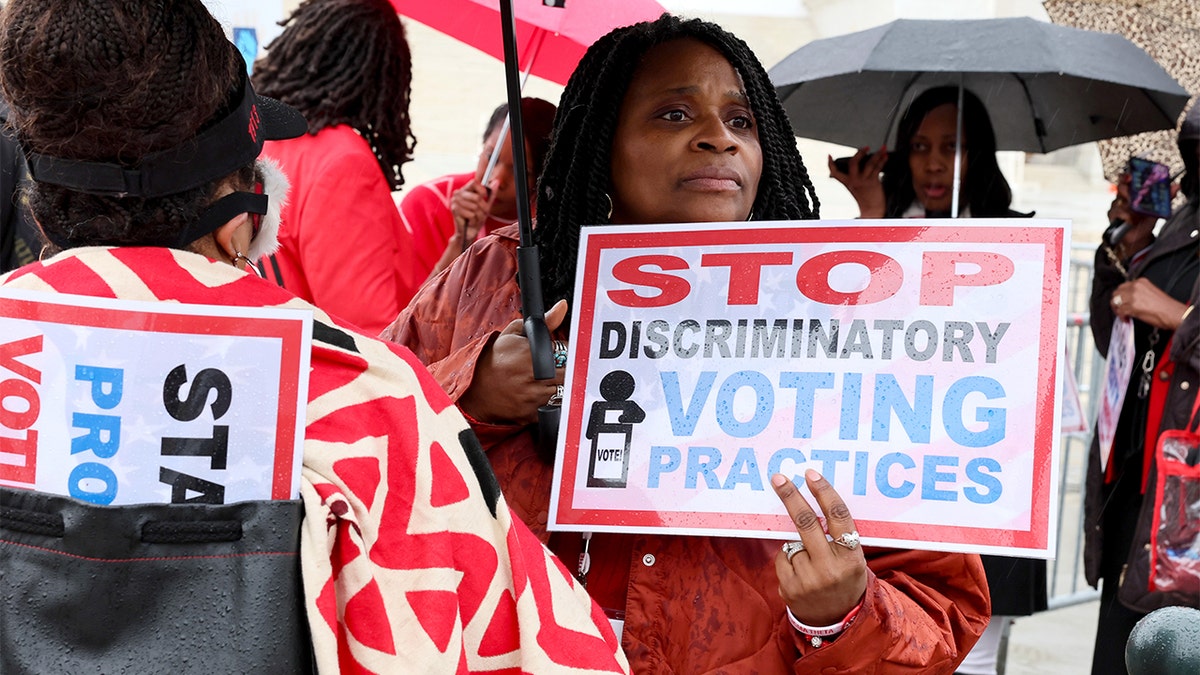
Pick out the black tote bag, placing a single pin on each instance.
(176, 588)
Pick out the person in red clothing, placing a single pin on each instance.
(345, 65)
(675, 121)
(439, 212)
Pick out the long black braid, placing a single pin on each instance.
(573, 186)
(346, 62)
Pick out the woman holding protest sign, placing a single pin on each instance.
(143, 134)
(676, 121)
(916, 180)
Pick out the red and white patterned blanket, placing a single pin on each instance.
(411, 559)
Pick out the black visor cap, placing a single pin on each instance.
(223, 147)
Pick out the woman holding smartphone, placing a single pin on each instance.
(1147, 278)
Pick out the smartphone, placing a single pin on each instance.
(1149, 187)
(1116, 232)
(843, 163)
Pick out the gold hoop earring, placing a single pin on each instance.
(610, 207)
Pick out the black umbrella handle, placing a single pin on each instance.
(529, 275)
(529, 278)
(547, 432)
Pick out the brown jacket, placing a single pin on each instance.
(695, 604)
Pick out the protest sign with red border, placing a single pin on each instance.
(916, 365)
(121, 402)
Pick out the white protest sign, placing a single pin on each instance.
(1118, 368)
(1073, 419)
(916, 366)
(121, 402)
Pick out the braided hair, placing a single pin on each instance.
(113, 82)
(984, 187)
(573, 188)
(346, 62)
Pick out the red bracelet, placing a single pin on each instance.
(817, 633)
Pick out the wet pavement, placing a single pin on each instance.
(1056, 642)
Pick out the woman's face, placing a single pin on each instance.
(931, 158)
(504, 189)
(686, 146)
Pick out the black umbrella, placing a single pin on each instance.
(529, 274)
(1045, 86)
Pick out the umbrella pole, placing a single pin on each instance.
(529, 273)
(957, 151)
(528, 264)
(495, 156)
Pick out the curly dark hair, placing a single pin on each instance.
(984, 188)
(346, 62)
(572, 189)
(113, 82)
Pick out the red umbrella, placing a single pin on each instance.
(553, 39)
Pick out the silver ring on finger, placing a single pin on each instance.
(557, 397)
(848, 540)
(791, 548)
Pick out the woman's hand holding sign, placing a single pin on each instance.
(826, 579)
(503, 389)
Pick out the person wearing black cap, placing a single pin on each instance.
(142, 134)
(1151, 279)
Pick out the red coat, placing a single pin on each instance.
(693, 604)
(342, 246)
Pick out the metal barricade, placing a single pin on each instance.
(1067, 585)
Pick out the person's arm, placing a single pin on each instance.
(464, 325)
(921, 613)
(1142, 300)
(894, 611)
(354, 246)
(439, 328)
(1106, 276)
(1186, 347)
